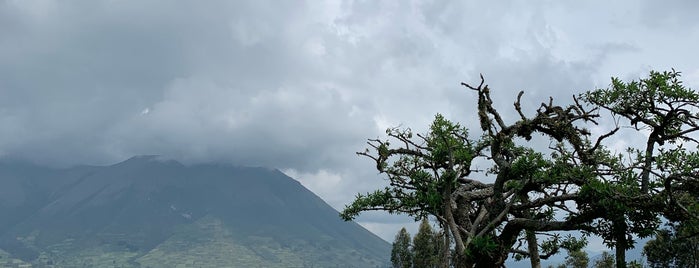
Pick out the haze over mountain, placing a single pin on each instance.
(151, 212)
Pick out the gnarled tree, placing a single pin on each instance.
(528, 192)
(660, 177)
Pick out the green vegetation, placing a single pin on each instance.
(577, 259)
(426, 249)
(209, 243)
(402, 253)
(578, 182)
(144, 212)
(674, 247)
(205, 243)
(6, 260)
(427, 246)
(605, 261)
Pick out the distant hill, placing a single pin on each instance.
(149, 212)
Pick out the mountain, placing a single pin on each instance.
(151, 212)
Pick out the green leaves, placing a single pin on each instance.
(659, 102)
(575, 183)
(401, 253)
(482, 246)
(641, 96)
(677, 161)
(674, 247)
(426, 246)
(448, 142)
(375, 200)
(419, 171)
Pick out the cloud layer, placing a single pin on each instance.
(299, 85)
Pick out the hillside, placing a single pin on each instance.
(148, 212)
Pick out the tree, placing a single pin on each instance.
(429, 248)
(635, 264)
(442, 243)
(425, 246)
(577, 259)
(677, 247)
(656, 179)
(660, 251)
(606, 260)
(577, 183)
(402, 254)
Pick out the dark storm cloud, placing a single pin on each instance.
(78, 78)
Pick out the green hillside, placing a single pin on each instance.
(147, 212)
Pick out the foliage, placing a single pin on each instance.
(650, 181)
(577, 183)
(678, 247)
(426, 246)
(414, 190)
(577, 259)
(635, 264)
(402, 254)
(660, 251)
(606, 260)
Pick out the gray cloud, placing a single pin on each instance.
(296, 85)
(677, 16)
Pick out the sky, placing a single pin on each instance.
(300, 85)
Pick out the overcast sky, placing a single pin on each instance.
(300, 86)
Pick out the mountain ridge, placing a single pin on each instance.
(144, 201)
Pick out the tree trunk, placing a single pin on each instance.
(620, 256)
(532, 243)
(460, 248)
(533, 247)
(446, 249)
(621, 242)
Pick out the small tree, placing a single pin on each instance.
(606, 260)
(678, 247)
(402, 254)
(425, 248)
(577, 259)
(660, 251)
(443, 247)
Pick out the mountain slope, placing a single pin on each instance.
(150, 212)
